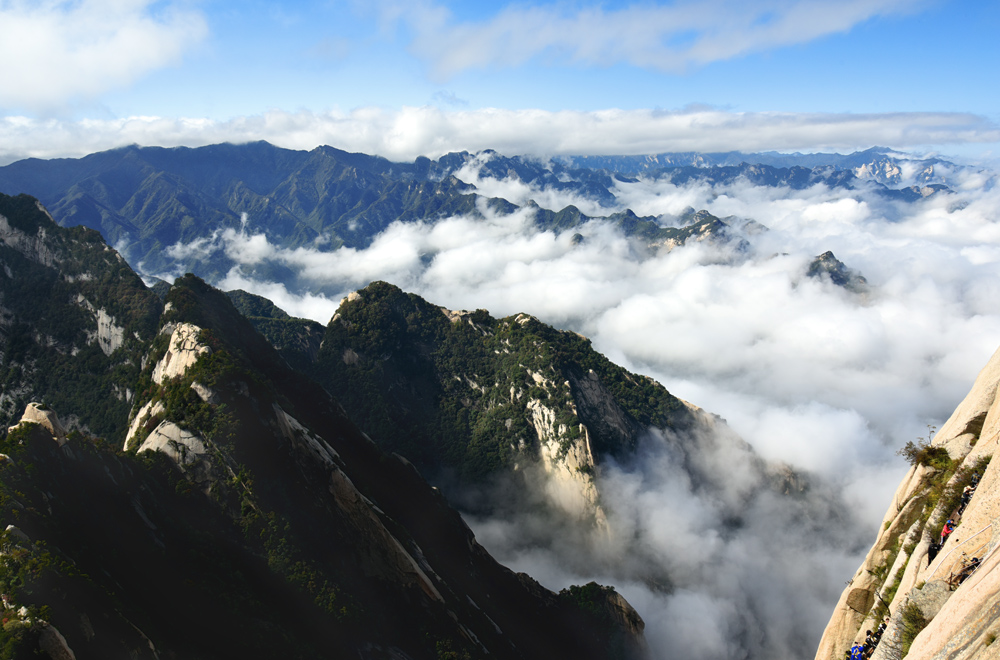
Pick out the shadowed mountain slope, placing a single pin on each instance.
(247, 515)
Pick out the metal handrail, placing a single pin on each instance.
(941, 561)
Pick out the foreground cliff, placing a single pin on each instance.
(940, 603)
(231, 509)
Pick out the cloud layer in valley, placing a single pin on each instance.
(829, 381)
(404, 134)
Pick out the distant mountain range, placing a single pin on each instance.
(151, 202)
(879, 163)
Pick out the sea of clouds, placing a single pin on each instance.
(829, 381)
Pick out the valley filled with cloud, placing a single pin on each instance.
(824, 382)
(830, 381)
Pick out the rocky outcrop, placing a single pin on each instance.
(184, 351)
(149, 412)
(33, 246)
(567, 462)
(37, 413)
(298, 435)
(187, 450)
(51, 642)
(884, 170)
(932, 612)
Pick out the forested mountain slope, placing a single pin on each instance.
(232, 509)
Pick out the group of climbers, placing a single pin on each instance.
(949, 526)
(864, 650)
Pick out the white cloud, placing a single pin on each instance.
(808, 373)
(409, 132)
(60, 50)
(668, 37)
(300, 305)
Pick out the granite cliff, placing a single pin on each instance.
(940, 603)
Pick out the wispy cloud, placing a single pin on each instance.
(409, 132)
(669, 37)
(57, 51)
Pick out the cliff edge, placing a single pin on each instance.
(933, 575)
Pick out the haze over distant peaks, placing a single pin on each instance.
(167, 210)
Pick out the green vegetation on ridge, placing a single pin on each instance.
(51, 289)
(454, 391)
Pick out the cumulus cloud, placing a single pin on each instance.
(409, 132)
(828, 381)
(663, 36)
(82, 48)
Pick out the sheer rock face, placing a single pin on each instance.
(964, 618)
(108, 335)
(570, 485)
(33, 246)
(184, 351)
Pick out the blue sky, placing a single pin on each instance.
(428, 76)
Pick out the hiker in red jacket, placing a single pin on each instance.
(948, 528)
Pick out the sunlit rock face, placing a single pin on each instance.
(932, 613)
(184, 351)
(37, 413)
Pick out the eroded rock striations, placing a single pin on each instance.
(937, 604)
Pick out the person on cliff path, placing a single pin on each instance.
(966, 496)
(948, 528)
(856, 652)
(932, 551)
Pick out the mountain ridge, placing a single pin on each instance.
(262, 506)
(154, 202)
